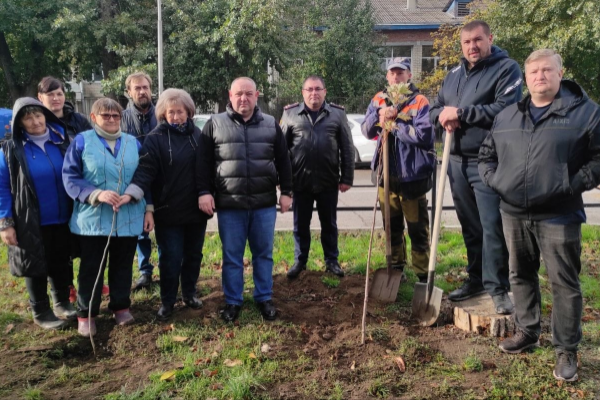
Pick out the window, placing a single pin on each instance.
(390, 52)
(429, 62)
(462, 10)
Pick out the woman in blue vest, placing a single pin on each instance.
(98, 167)
(35, 210)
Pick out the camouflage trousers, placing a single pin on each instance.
(414, 211)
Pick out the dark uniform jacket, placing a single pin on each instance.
(242, 162)
(73, 121)
(322, 153)
(540, 170)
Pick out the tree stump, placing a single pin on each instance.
(478, 314)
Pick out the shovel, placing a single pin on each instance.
(386, 282)
(427, 299)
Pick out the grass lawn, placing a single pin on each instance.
(311, 352)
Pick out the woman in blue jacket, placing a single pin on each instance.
(35, 210)
(98, 167)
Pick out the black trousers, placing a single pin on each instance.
(57, 248)
(120, 259)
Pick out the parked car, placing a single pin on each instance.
(201, 119)
(364, 149)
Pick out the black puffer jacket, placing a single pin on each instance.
(482, 92)
(73, 121)
(28, 258)
(321, 150)
(167, 169)
(241, 163)
(540, 170)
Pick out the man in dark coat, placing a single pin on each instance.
(320, 143)
(471, 95)
(541, 154)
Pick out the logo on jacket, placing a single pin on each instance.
(513, 86)
(560, 121)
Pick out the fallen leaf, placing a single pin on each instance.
(327, 336)
(216, 386)
(560, 383)
(319, 263)
(580, 393)
(214, 354)
(353, 366)
(232, 363)
(208, 373)
(218, 348)
(230, 335)
(169, 375)
(252, 355)
(518, 393)
(197, 374)
(400, 363)
(179, 338)
(265, 348)
(9, 328)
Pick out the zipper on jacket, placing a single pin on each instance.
(247, 160)
(527, 168)
(55, 184)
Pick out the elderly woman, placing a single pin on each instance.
(51, 92)
(35, 210)
(99, 165)
(167, 170)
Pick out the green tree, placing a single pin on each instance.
(572, 28)
(335, 39)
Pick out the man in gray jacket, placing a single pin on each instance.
(541, 154)
(320, 143)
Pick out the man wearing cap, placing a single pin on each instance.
(322, 153)
(411, 165)
(472, 94)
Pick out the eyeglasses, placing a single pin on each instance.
(107, 117)
(317, 89)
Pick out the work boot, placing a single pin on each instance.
(62, 307)
(47, 320)
(144, 281)
(503, 304)
(164, 312)
(466, 291)
(193, 302)
(334, 268)
(267, 309)
(566, 366)
(230, 312)
(86, 326)
(123, 317)
(422, 278)
(296, 269)
(518, 343)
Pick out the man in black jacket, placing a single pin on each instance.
(139, 120)
(320, 142)
(541, 154)
(243, 158)
(471, 95)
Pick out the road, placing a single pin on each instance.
(363, 195)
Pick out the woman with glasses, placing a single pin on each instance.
(35, 210)
(98, 167)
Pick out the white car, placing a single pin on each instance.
(201, 119)
(364, 149)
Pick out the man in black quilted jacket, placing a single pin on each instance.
(541, 154)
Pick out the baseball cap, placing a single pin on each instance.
(399, 62)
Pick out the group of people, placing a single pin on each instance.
(517, 169)
(518, 166)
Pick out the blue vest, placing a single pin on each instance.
(108, 172)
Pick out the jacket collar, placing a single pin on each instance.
(255, 119)
(303, 109)
(136, 111)
(569, 95)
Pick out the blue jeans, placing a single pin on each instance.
(144, 249)
(560, 247)
(478, 210)
(303, 211)
(257, 227)
(179, 259)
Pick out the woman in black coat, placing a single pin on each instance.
(167, 170)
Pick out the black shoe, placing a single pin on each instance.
(503, 304)
(230, 312)
(296, 269)
(164, 312)
(47, 320)
(518, 343)
(334, 268)
(466, 291)
(566, 366)
(268, 310)
(193, 302)
(143, 281)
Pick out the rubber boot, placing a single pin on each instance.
(44, 317)
(62, 307)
